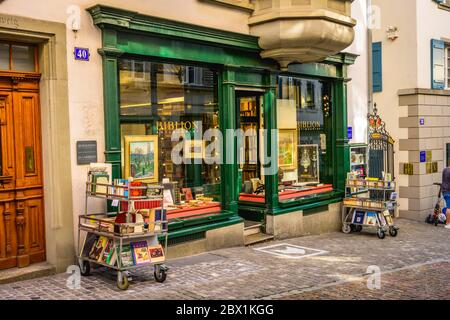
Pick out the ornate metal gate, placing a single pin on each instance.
(381, 147)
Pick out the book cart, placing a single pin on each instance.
(122, 234)
(373, 212)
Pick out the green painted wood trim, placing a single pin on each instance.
(234, 219)
(342, 148)
(270, 124)
(312, 205)
(184, 51)
(181, 223)
(110, 17)
(345, 58)
(314, 70)
(227, 118)
(111, 114)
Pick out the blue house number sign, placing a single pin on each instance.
(81, 54)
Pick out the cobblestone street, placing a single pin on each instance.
(415, 265)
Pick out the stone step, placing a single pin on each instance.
(252, 229)
(33, 271)
(257, 238)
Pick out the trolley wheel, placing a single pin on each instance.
(346, 228)
(122, 281)
(393, 232)
(160, 274)
(85, 268)
(381, 234)
(358, 228)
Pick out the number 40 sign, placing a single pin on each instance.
(81, 54)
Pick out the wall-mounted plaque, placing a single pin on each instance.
(408, 169)
(86, 152)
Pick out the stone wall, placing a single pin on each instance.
(296, 224)
(426, 117)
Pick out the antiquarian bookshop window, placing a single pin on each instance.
(155, 100)
(304, 138)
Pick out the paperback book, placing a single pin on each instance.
(126, 257)
(98, 248)
(140, 252)
(358, 217)
(156, 254)
(371, 218)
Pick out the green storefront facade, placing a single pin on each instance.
(239, 68)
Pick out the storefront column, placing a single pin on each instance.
(111, 101)
(342, 156)
(270, 123)
(227, 106)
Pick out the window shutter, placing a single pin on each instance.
(377, 67)
(437, 64)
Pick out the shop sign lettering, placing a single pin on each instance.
(9, 21)
(309, 125)
(174, 125)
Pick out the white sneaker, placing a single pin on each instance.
(447, 226)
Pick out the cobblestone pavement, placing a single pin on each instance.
(416, 264)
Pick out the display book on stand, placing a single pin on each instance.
(370, 203)
(123, 240)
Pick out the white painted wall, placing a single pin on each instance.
(357, 93)
(399, 69)
(432, 23)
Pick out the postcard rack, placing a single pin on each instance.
(373, 212)
(123, 234)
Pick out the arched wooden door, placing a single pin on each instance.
(22, 228)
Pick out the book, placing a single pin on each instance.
(156, 254)
(88, 243)
(98, 248)
(140, 252)
(388, 218)
(107, 251)
(100, 178)
(126, 257)
(160, 216)
(371, 219)
(382, 220)
(112, 258)
(358, 217)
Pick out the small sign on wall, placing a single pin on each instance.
(81, 54)
(422, 121)
(86, 152)
(423, 156)
(350, 133)
(408, 169)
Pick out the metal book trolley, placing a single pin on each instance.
(124, 233)
(373, 212)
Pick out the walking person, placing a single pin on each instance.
(446, 193)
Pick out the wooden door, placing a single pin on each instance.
(22, 228)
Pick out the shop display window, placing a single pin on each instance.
(304, 113)
(155, 100)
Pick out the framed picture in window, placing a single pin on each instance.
(309, 163)
(287, 149)
(141, 158)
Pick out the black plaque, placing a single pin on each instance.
(86, 152)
